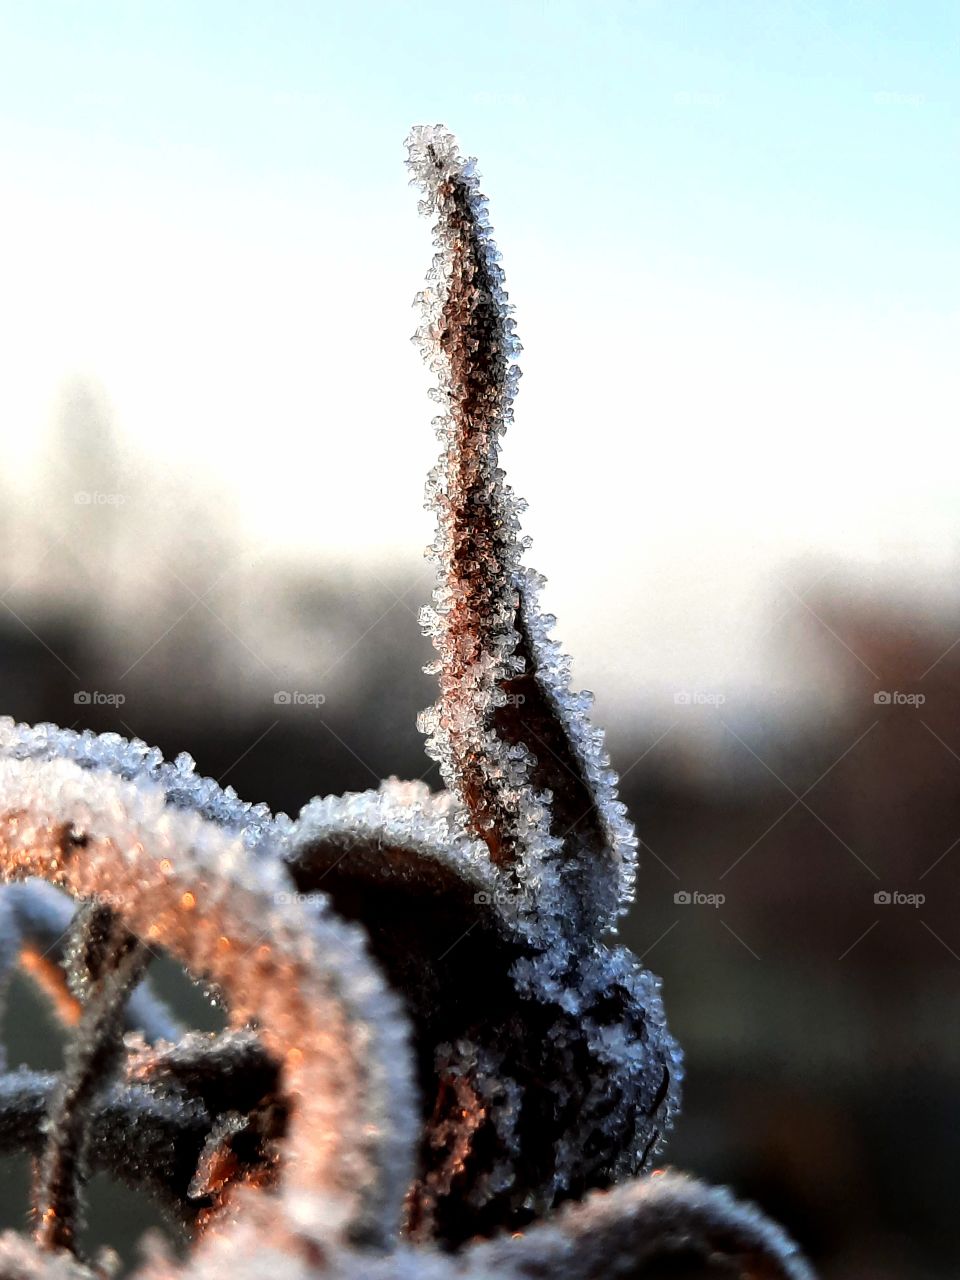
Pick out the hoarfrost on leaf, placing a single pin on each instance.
(511, 739)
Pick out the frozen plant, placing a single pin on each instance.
(439, 1063)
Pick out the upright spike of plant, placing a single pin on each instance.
(512, 741)
(291, 1143)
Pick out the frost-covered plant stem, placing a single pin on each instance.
(114, 961)
(468, 339)
(35, 926)
(513, 741)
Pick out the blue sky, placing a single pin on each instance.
(730, 231)
(797, 142)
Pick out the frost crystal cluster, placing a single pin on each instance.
(439, 1063)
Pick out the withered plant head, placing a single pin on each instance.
(438, 1064)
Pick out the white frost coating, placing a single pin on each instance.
(131, 759)
(586, 740)
(42, 913)
(640, 1228)
(400, 815)
(179, 881)
(21, 1259)
(625, 1230)
(627, 1055)
(435, 162)
(623, 1101)
(409, 817)
(473, 621)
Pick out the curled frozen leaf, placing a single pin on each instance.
(320, 1008)
(132, 760)
(555, 1083)
(649, 1229)
(667, 1224)
(395, 862)
(524, 1066)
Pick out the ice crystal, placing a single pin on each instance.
(438, 1062)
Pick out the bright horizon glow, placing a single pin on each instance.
(730, 234)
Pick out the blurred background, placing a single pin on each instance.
(730, 235)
